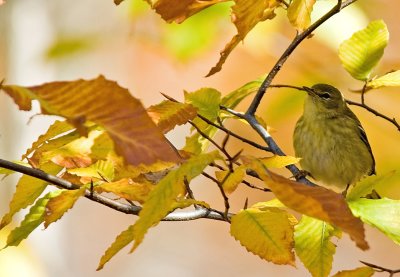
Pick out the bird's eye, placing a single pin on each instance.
(325, 95)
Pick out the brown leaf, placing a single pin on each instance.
(180, 10)
(103, 102)
(317, 202)
(169, 114)
(245, 15)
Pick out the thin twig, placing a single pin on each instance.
(124, 208)
(222, 128)
(382, 269)
(293, 45)
(375, 112)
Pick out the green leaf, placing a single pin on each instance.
(360, 53)
(207, 101)
(266, 233)
(160, 202)
(31, 221)
(232, 99)
(299, 13)
(391, 79)
(383, 214)
(364, 271)
(57, 206)
(27, 191)
(313, 245)
(366, 185)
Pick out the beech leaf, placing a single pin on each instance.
(245, 15)
(299, 13)
(27, 191)
(364, 271)
(161, 201)
(169, 114)
(58, 205)
(135, 135)
(267, 233)
(317, 202)
(383, 214)
(179, 10)
(391, 79)
(361, 53)
(313, 245)
(31, 221)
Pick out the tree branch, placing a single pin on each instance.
(113, 204)
(382, 269)
(296, 41)
(375, 112)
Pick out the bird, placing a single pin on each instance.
(329, 139)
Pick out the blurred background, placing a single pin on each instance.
(42, 41)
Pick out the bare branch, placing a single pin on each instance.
(382, 269)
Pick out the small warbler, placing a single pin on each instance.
(331, 141)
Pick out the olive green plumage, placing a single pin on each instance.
(330, 139)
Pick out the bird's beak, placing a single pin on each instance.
(309, 91)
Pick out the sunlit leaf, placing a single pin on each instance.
(317, 202)
(27, 191)
(364, 271)
(161, 201)
(75, 153)
(391, 79)
(128, 189)
(122, 240)
(366, 185)
(266, 233)
(299, 13)
(233, 180)
(56, 129)
(279, 161)
(31, 221)
(179, 10)
(383, 214)
(207, 101)
(360, 53)
(232, 99)
(313, 245)
(100, 170)
(60, 204)
(169, 114)
(181, 203)
(245, 15)
(135, 135)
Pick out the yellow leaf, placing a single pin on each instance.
(267, 234)
(233, 180)
(391, 79)
(363, 271)
(245, 15)
(102, 170)
(279, 161)
(169, 114)
(56, 129)
(135, 135)
(58, 205)
(317, 202)
(128, 189)
(299, 13)
(122, 240)
(313, 245)
(160, 202)
(27, 191)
